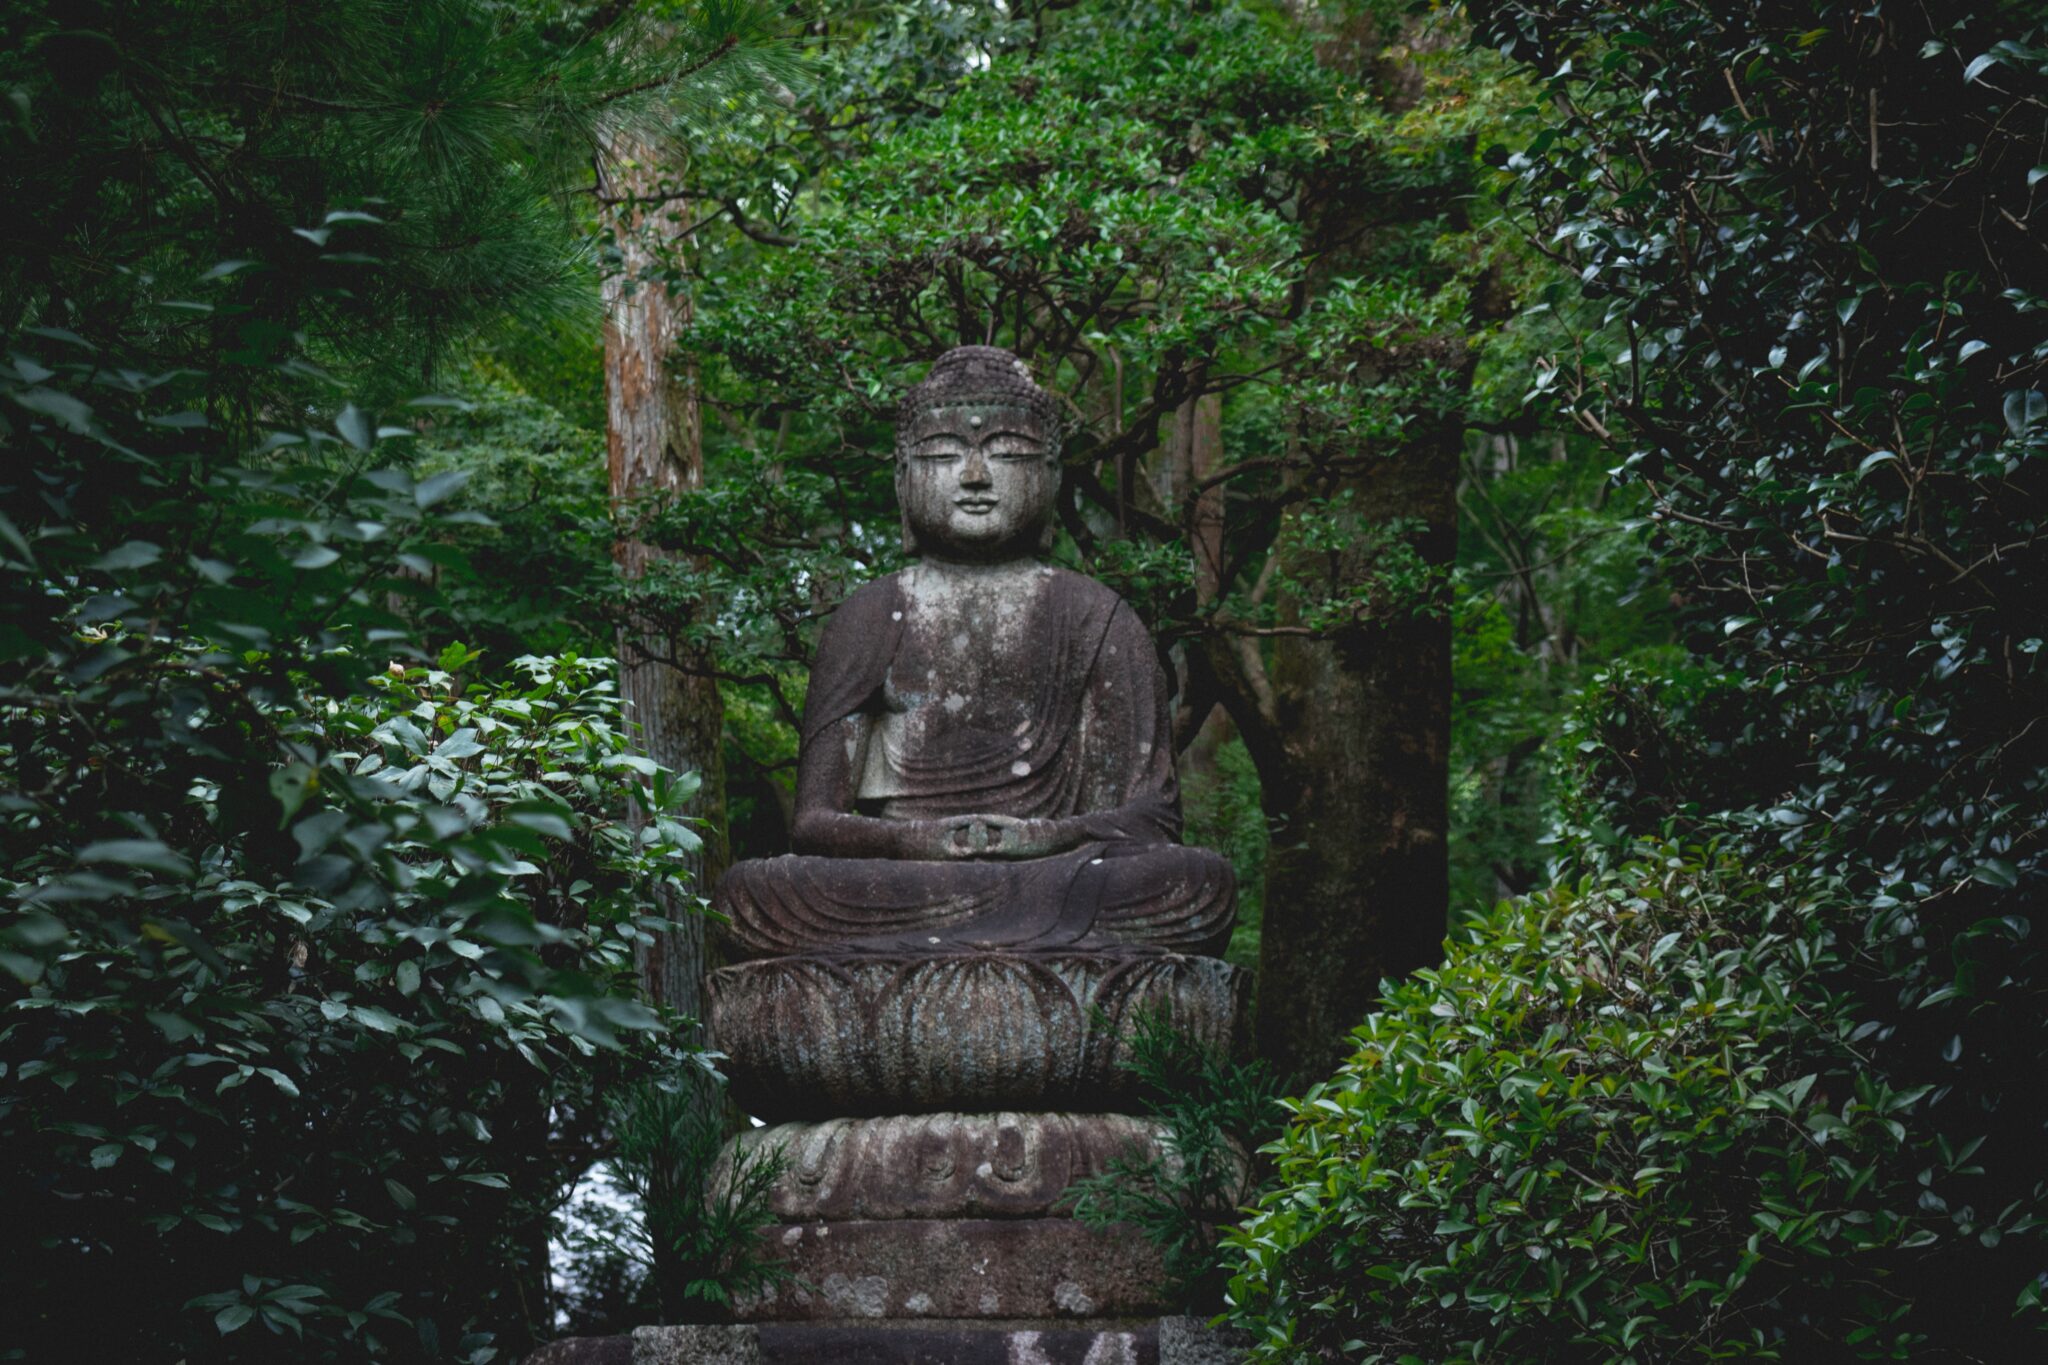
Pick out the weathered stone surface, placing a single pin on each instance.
(1192, 1341)
(939, 1165)
(814, 1037)
(889, 1343)
(987, 893)
(1157, 895)
(697, 1345)
(583, 1351)
(912, 1344)
(958, 1268)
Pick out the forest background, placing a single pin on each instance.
(1582, 464)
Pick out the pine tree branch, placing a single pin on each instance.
(309, 101)
(719, 53)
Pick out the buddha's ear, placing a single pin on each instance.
(910, 545)
(1050, 532)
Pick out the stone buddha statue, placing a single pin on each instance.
(933, 1001)
(987, 757)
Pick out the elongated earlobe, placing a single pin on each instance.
(1050, 532)
(910, 545)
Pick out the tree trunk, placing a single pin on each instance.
(1358, 875)
(654, 437)
(1351, 730)
(1194, 451)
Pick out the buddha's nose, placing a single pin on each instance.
(974, 472)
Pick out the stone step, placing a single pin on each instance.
(1165, 1341)
(959, 1344)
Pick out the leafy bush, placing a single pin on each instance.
(1796, 227)
(339, 1097)
(1635, 1119)
(1214, 1110)
(1661, 739)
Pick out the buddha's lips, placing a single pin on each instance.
(975, 504)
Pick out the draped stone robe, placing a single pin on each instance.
(1041, 698)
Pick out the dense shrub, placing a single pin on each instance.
(1812, 329)
(325, 1110)
(1633, 1119)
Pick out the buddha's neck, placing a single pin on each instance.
(937, 568)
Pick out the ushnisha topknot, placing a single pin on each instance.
(979, 374)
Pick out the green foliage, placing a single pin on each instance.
(1632, 1119)
(1826, 378)
(694, 1246)
(316, 972)
(390, 177)
(331, 1097)
(1663, 739)
(1399, 582)
(1220, 809)
(537, 575)
(1214, 1110)
(1552, 586)
(1804, 321)
(1700, 1105)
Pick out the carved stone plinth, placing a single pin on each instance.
(813, 1037)
(939, 1165)
(958, 1268)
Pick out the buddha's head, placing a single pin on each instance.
(977, 459)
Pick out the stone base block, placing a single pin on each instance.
(815, 1037)
(1170, 1341)
(1192, 1341)
(583, 1351)
(1052, 1268)
(697, 1344)
(954, 1345)
(939, 1165)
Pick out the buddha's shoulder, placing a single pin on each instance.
(873, 601)
(1091, 594)
(876, 590)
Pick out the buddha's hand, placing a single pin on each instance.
(1005, 836)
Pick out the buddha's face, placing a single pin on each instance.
(977, 481)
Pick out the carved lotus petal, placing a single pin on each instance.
(812, 1037)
